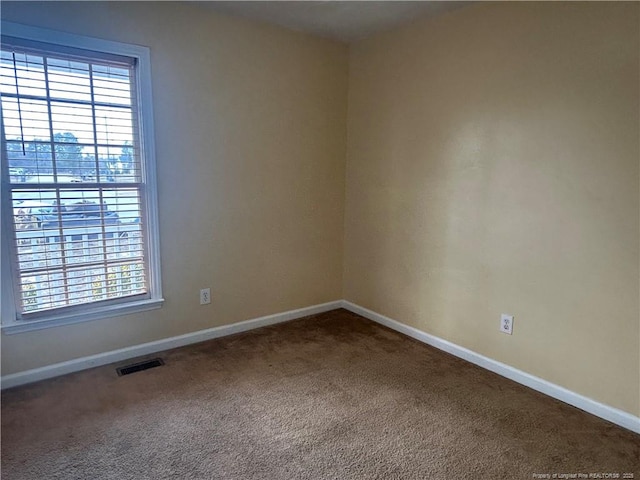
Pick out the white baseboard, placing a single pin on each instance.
(598, 409)
(55, 370)
(601, 410)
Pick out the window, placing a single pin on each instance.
(79, 201)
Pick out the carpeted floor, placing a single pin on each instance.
(332, 396)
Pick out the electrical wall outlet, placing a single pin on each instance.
(506, 323)
(205, 296)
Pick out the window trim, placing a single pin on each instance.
(9, 322)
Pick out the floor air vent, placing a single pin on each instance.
(136, 367)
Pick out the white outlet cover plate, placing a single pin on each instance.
(506, 324)
(205, 296)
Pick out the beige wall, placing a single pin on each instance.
(250, 139)
(493, 168)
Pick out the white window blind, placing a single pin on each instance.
(75, 174)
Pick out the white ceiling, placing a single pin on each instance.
(345, 21)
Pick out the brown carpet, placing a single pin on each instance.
(332, 396)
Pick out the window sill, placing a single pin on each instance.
(10, 328)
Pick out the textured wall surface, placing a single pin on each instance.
(493, 168)
(250, 140)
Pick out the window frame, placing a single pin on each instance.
(10, 323)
